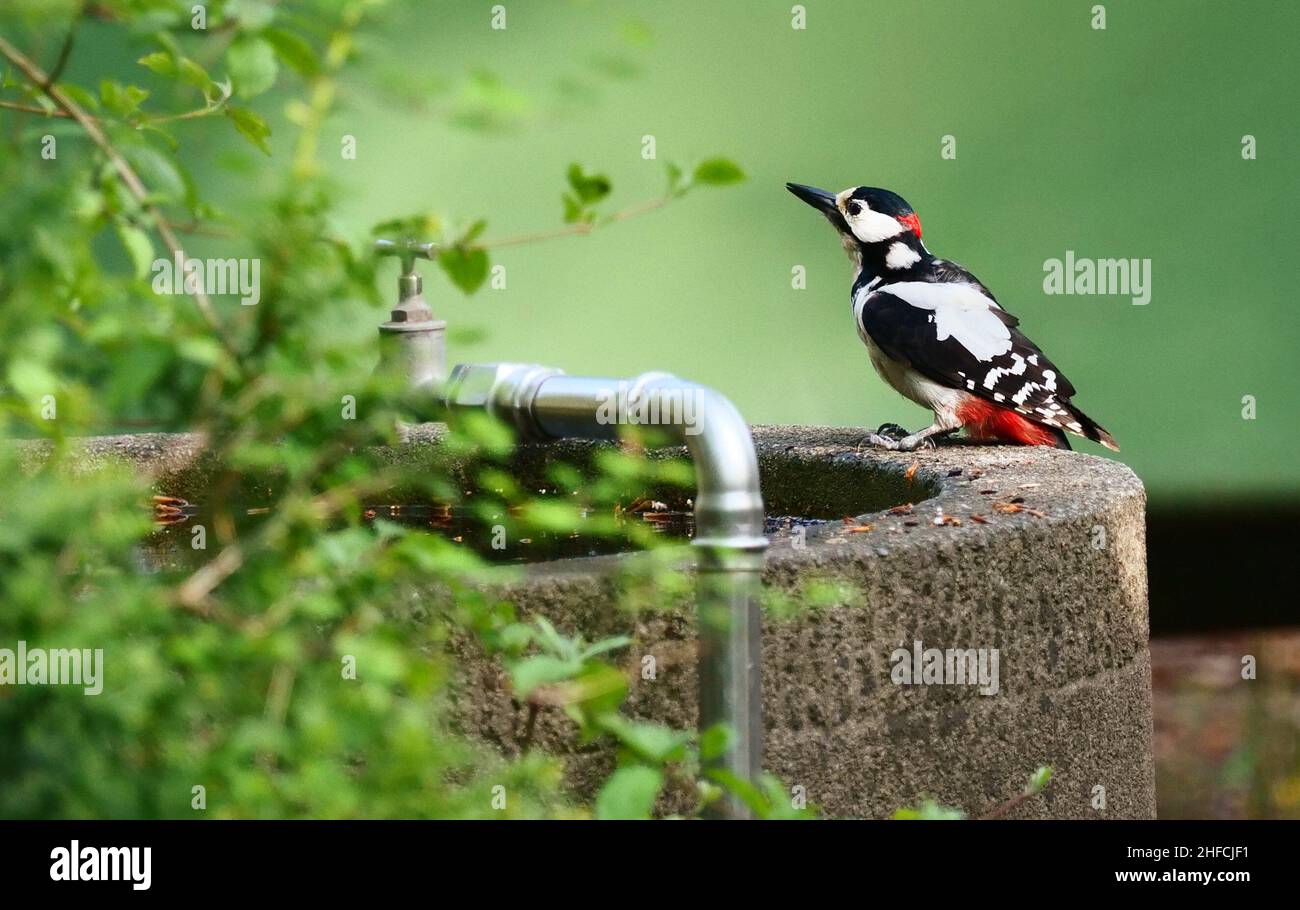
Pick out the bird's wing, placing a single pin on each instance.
(947, 272)
(957, 335)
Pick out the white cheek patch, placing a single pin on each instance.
(900, 256)
(872, 227)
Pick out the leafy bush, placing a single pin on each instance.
(276, 678)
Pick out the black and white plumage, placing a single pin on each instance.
(939, 337)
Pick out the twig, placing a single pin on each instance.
(574, 230)
(124, 170)
(193, 227)
(194, 591)
(170, 118)
(530, 727)
(33, 109)
(64, 52)
(204, 111)
(999, 811)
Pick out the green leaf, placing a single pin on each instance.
(718, 172)
(138, 246)
(251, 126)
(467, 268)
(650, 742)
(629, 793)
(159, 62)
(158, 171)
(252, 64)
(929, 811)
(715, 741)
(674, 178)
(473, 232)
(294, 50)
(31, 379)
(192, 74)
(573, 210)
(600, 690)
(552, 640)
(552, 515)
(515, 637)
(589, 188)
(253, 15)
(423, 226)
(122, 100)
(201, 349)
(613, 643)
(1040, 779)
(539, 670)
(80, 96)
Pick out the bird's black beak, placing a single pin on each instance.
(821, 200)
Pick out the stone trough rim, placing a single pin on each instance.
(1056, 487)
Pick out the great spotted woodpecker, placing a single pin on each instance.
(936, 334)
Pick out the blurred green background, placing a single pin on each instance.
(1122, 142)
(1117, 143)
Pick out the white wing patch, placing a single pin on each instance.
(960, 312)
(1017, 368)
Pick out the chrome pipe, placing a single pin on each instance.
(542, 403)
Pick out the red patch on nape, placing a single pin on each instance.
(912, 223)
(985, 420)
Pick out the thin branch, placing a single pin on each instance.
(1003, 808)
(194, 227)
(124, 170)
(193, 592)
(575, 230)
(33, 109)
(204, 111)
(64, 53)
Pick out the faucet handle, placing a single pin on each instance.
(408, 249)
(409, 285)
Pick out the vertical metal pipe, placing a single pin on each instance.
(729, 624)
(729, 541)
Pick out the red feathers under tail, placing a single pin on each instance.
(985, 420)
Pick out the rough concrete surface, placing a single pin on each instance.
(1054, 578)
(1036, 552)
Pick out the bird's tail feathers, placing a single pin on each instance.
(1093, 430)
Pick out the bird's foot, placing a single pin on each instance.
(914, 442)
(893, 438)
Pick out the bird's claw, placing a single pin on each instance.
(891, 431)
(908, 443)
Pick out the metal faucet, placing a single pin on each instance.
(412, 344)
(543, 404)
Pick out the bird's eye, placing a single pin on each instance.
(854, 208)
